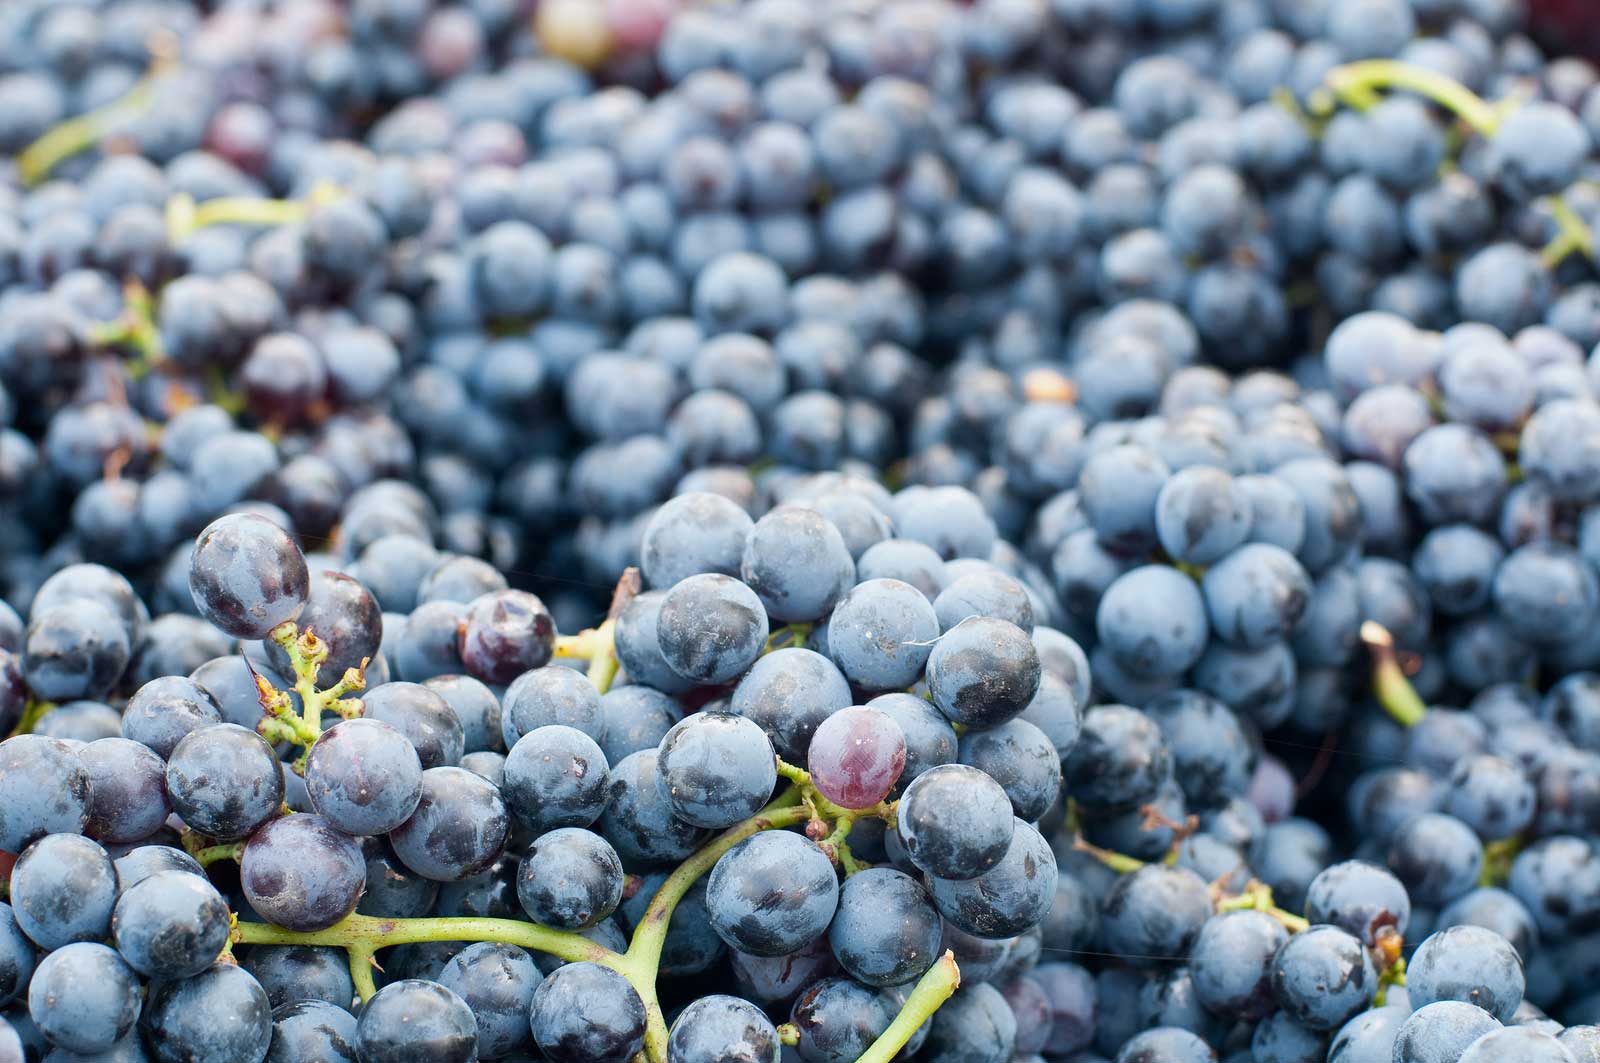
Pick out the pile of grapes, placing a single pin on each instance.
(798, 531)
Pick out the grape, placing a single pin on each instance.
(721, 1029)
(138, 864)
(856, 756)
(711, 628)
(364, 777)
(584, 1013)
(886, 930)
(555, 777)
(497, 983)
(983, 672)
(300, 873)
(44, 789)
(423, 719)
(476, 707)
(570, 879)
(976, 1025)
(220, 1013)
(789, 693)
(458, 828)
(881, 633)
(771, 894)
(715, 769)
(165, 710)
(1154, 913)
(505, 634)
(224, 781)
(412, 1019)
(1442, 1029)
(62, 889)
(1359, 898)
(955, 822)
(83, 997)
(172, 924)
(551, 696)
(638, 819)
(247, 576)
(1231, 962)
(312, 1029)
(292, 973)
(1469, 964)
(1516, 1042)
(128, 790)
(77, 649)
(1323, 977)
(838, 1019)
(1022, 759)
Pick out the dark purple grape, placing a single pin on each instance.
(128, 790)
(172, 924)
(345, 617)
(44, 789)
(300, 873)
(224, 781)
(364, 777)
(458, 828)
(247, 575)
(506, 633)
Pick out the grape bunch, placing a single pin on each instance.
(1010, 531)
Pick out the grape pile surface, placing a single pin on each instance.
(798, 531)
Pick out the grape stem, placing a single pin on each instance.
(34, 711)
(1389, 683)
(1498, 857)
(184, 215)
(212, 854)
(1357, 84)
(306, 655)
(598, 645)
(135, 329)
(1257, 896)
(79, 134)
(933, 989)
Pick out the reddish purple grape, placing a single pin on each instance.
(856, 756)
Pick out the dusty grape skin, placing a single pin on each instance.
(247, 576)
(220, 1013)
(301, 873)
(584, 1013)
(458, 828)
(44, 789)
(639, 822)
(364, 777)
(414, 1019)
(497, 982)
(771, 894)
(711, 628)
(63, 888)
(1007, 899)
(955, 822)
(715, 769)
(84, 997)
(555, 777)
(170, 925)
(983, 672)
(570, 879)
(224, 781)
(886, 930)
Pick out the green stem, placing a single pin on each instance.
(1121, 863)
(1571, 235)
(79, 134)
(931, 992)
(211, 854)
(34, 711)
(1258, 897)
(1357, 85)
(1498, 856)
(306, 654)
(643, 959)
(787, 636)
(1389, 683)
(1394, 974)
(362, 963)
(370, 933)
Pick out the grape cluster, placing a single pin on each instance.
(625, 531)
